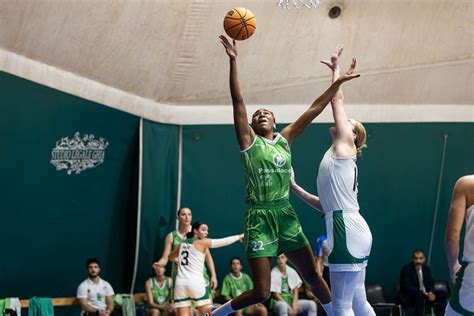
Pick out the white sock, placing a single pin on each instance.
(328, 308)
(224, 310)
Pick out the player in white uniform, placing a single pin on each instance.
(349, 236)
(462, 209)
(190, 284)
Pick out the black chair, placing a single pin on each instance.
(376, 298)
(442, 287)
(443, 292)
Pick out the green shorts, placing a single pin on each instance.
(271, 229)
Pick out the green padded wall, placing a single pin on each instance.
(51, 221)
(159, 193)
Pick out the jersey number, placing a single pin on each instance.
(257, 245)
(354, 187)
(184, 258)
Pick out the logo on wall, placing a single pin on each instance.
(78, 153)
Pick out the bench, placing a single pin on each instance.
(69, 301)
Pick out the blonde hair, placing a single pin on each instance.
(361, 136)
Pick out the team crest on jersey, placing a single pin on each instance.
(279, 160)
(78, 153)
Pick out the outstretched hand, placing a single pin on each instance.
(229, 48)
(349, 74)
(334, 63)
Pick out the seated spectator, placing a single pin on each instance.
(158, 293)
(285, 283)
(237, 282)
(96, 296)
(417, 286)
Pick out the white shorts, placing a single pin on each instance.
(462, 297)
(349, 241)
(187, 291)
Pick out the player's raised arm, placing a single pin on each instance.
(245, 134)
(344, 143)
(293, 130)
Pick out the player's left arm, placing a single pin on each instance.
(344, 142)
(295, 129)
(310, 199)
(173, 256)
(217, 243)
(456, 215)
(212, 269)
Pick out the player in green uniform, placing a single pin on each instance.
(237, 282)
(158, 293)
(271, 226)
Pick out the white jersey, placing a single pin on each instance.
(190, 285)
(349, 236)
(468, 252)
(190, 261)
(337, 183)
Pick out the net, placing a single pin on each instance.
(298, 4)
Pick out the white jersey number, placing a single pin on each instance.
(257, 245)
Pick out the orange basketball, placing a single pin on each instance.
(240, 23)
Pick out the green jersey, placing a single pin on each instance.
(176, 241)
(267, 167)
(161, 295)
(286, 291)
(233, 286)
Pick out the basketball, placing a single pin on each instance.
(240, 23)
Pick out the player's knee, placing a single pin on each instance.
(340, 304)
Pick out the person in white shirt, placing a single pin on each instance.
(285, 284)
(95, 295)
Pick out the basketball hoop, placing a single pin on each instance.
(299, 4)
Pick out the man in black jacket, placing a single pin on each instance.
(416, 284)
